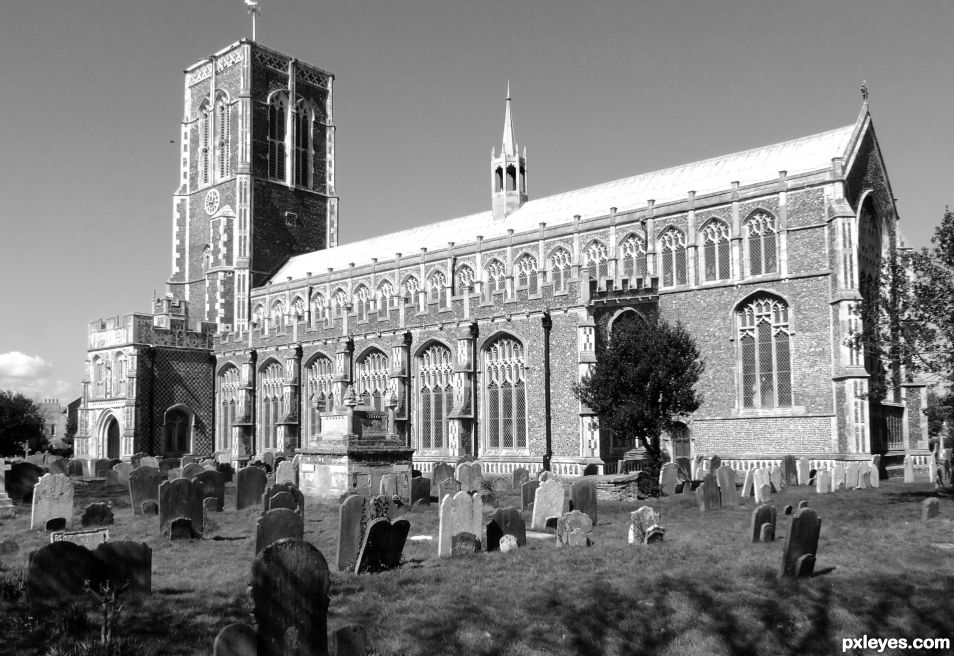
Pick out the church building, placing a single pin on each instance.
(465, 336)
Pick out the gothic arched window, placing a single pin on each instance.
(464, 279)
(320, 375)
(371, 379)
(277, 109)
(362, 299)
(385, 293)
(527, 273)
(595, 258)
(298, 309)
(205, 145)
(435, 287)
(258, 314)
(409, 288)
(276, 313)
(303, 145)
(317, 308)
(496, 276)
(761, 244)
(505, 394)
(223, 143)
(633, 254)
(765, 353)
(340, 302)
(436, 395)
(673, 248)
(229, 389)
(271, 393)
(560, 269)
(119, 368)
(715, 251)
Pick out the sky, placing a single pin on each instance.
(92, 103)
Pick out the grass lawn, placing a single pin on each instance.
(705, 590)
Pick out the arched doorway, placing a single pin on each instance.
(178, 431)
(679, 434)
(112, 438)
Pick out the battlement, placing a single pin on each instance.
(147, 329)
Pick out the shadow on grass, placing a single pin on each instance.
(911, 496)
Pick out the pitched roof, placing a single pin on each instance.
(803, 155)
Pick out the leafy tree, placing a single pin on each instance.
(21, 423)
(643, 379)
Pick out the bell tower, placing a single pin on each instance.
(508, 170)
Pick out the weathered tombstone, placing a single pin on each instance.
(930, 508)
(908, 469)
(864, 479)
(167, 464)
(577, 523)
(149, 507)
(642, 523)
(851, 475)
(461, 513)
(187, 459)
(519, 477)
(441, 471)
(350, 640)
(748, 484)
(179, 499)
(583, 497)
(74, 468)
(52, 499)
(875, 468)
(549, 501)
(126, 560)
(500, 484)
(667, 479)
(249, 486)
(527, 493)
(56, 571)
(136, 459)
(100, 467)
(149, 461)
(838, 477)
(762, 516)
(210, 506)
(505, 521)
(803, 503)
(122, 471)
(97, 514)
(789, 470)
(823, 482)
(801, 541)
(211, 484)
(775, 477)
(725, 477)
(285, 472)
(447, 487)
(714, 463)
(788, 510)
(420, 490)
(709, 498)
(290, 582)
(470, 476)
(89, 539)
(192, 470)
(236, 640)
(283, 500)
(277, 524)
(58, 466)
(763, 485)
(174, 473)
(350, 519)
(464, 544)
(508, 543)
(383, 546)
(804, 468)
(388, 485)
(290, 490)
(269, 459)
(181, 528)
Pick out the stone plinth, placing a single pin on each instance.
(329, 468)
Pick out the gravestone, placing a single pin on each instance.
(908, 469)
(667, 479)
(283, 500)
(874, 467)
(762, 516)
(236, 640)
(461, 513)
(708, 494)
(441, 471)
(725, 477)
(173, 474)
(464, 544)
(187, 460)
(775, 476)
(470, 476)
(350, 640)
(74, 468)
(269, 459)
(192, 470)
(930, 508)
(56, 571)
(762, 482)
(420, 491)
(571, 526)
(505, 521)
(714, 463)
(126, 560)
(181, 528)
(211, 484)
(167, 464)
(122, 471)
(583, 497)
(150, 507)
(684, 469)
(383, 546)
(447, 487)
(89, 539)
(864, 480)
(97, 514)
(528, 492)
(851, 475)
(803, 503)
(789, 470)
(549, 501)
(249, 486)
(823, 482)
(519, 477)
(58, 466)
(838, 477)
(290, 489)
(100, 467)
(285, 472)
(350, 519)
(149, 461)
(500, 484)
(52, 499)
(643, 523)
(136, 459)
(803, 468)
(748, 484)
(388, 486)
(508, 543)
(277, 524)
(227, 471)
(788, 510)
(488, 499)
(210, 506)
(290, 582)
(801, 541)
(179, 499)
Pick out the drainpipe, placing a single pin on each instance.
(548, 418)
(475, 392)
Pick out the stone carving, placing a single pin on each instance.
(52, 499)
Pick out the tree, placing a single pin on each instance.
(21, 423)
(643, 379)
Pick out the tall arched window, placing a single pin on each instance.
(464, 279)
(258, 314)
(672, 245)
(715, 251)
(205, 145)
(409, 288)
(223, 143)
(632, 251)
(206, 258)
(765, 353)
(527, 273)
(496, 276)
(560, 268)
(276, 313)
(341, 302)
(436, 395)
(229, 389)
(385, 293)
(505, 394)
(371, 379)
(277, 109)
(761, 244)
(320, 375)
(297, 309)
(271, 393)
(362, 299)
(317, 308)
(595, 258)
(435, 287)
(98, 374)
(303, 145)
(119, 368)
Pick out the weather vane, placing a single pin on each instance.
(864, 91)
(253, 10)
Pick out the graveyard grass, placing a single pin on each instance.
(705, 590)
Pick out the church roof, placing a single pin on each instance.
(803, 155)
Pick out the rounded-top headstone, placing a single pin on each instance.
(236, 640)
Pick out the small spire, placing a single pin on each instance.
(509, 143)
(253, 10)
(864, 92)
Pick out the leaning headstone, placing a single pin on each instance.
(236, 640)
(763, 516)
(519, 477)
(192, 470)
(143, 486)
(350, 518)
(277, 524)
(441, 471)
(212, 484)
(549, 501)
(583, 497)
(420, 490)
(470, 476)
(89, 539)
(775, 476)
(290, 582)
(97, 514)
(249, 486)
(838, 477)
(577, 523)
(179, 499)
(725, 477)
(748, 484)
(447, 487)
(505, 521)
(285, 472)
(762, 482)
(383, 546)
(789, 470)
(527, 493)
(52, 499)
(122, 471)
(667, 479)
(803, 468)
(823, 482)
(930, 508)
(644, 524)
(149, 461)
(710, 498)
(801, 541)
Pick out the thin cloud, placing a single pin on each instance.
(32, 376)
